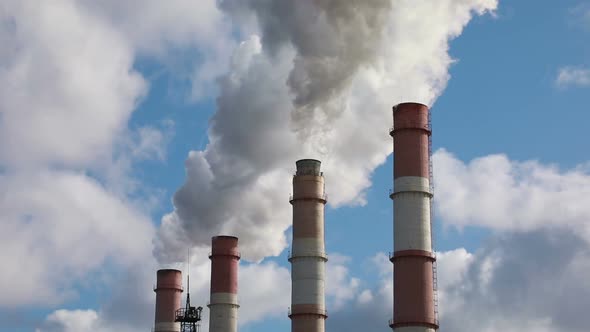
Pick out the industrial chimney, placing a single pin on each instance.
(223, 303)
(168, 296)
(414, 278)
(308, 257)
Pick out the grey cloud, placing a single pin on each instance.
(332, 39)
(527, 280)
(239, 184)
(534, 278)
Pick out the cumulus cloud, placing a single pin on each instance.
(370, 308)
(287, 97)
(527, 280)
(62, 101)
(264, 292)
(165, 29)
(66, 225)
(132, 305)
(529, 275)
(498, 193)
(341, 287)
(68, 87)
(63, 320)
(573, 76)
(532, 280)
(70, 321)
(67, 91)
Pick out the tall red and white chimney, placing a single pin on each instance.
(308, 254)
(414, 308)
(223, 303)
(168, 297)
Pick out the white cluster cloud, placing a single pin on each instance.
(73, 216)
(67, 91)
(62, 101)
(264, 293)
(532, 280)
(65, 225)
(529, 275)
(70, 321)
(573, 76)
(341, 287)
(161, 29)
(498, 193)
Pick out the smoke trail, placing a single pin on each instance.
(312, 79)
(332, 39)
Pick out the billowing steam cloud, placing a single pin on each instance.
(331, 39)
(311, 79)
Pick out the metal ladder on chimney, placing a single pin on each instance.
(431, 184)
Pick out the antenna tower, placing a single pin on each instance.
(189, 317)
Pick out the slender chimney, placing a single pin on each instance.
(223, 303)
(414, 307)
(168, 296)
(308, 256)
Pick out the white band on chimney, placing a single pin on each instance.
(412, 222)
(167, 327)
(411, 183)
(308, 281)
(414, 329)
(223, 298)
(308, 246)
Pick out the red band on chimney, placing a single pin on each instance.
(224, 264)
(168, 294)
(410, 136)
(413, 291)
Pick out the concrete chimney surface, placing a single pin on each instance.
(308, 257)
(223, 303)
(414, 291)
(168, 299)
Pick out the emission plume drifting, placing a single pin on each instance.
(311, 79)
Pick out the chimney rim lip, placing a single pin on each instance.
(168, 270)
(409, 103)
(225, 237)
(308, 159)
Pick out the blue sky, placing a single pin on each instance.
(89, 223)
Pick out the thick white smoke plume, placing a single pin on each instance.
(312, 79)
(331, 39)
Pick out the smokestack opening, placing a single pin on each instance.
(224, 245)
(308, 167)
(168, 299)
(409, 104)
(221, 237)
(223, 303)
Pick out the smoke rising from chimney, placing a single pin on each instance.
(312, 79)
(331, 39)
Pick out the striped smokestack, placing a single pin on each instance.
(308, 256)
(168, 296)
(414, 308)
(223, 303)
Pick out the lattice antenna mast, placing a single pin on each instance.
(189, 317)
(188, 278)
